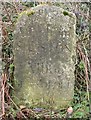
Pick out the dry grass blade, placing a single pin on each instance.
(84, 58)
(17, 108)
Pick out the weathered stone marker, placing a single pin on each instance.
(44, 44)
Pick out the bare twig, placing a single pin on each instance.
(1, 116)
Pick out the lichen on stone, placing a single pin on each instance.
(31, 12)
(26, 12)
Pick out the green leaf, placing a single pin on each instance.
(11, 66)
(81, 65)
(77, 106)
(79, 114)
(4, 19)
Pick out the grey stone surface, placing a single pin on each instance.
(44, 45)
